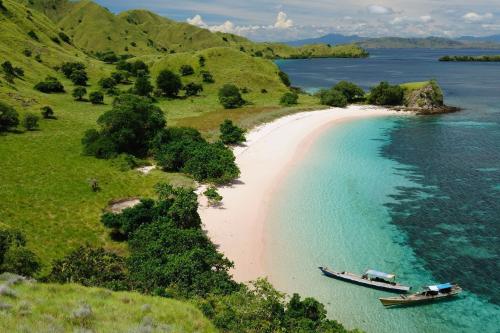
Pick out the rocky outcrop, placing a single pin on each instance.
(428, 99)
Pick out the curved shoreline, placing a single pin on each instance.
(271, 150)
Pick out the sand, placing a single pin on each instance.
(237, 227)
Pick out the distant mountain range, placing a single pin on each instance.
(489, 42)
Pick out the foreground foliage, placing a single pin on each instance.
(386, 94)
(230, 133)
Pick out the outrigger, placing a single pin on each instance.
(430, 294)
(371, 278)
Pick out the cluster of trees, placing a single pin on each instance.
(185, 150)
(14, 256)
(9, 119)
(75, 71)
(341, 94)
(230, 133)
(50, 85)
(386, 94)
(11, 72)
(483, 58)
(289, 98)
(230, 97)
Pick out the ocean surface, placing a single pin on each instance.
(417, 196)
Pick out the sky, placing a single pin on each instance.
(282, 20)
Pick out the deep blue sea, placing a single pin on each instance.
(414, 195)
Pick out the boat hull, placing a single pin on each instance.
(349, 277)
(417, 299)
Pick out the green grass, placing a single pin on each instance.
(414, 85)
(50, 308)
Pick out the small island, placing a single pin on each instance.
(468, 58)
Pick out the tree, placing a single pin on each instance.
(289, 98)
(142, 86)
(332, 98)
(207, 77)
(79, 77)
(30, 121)
(50, 85)
(186, 70)
(9, 117)
(14, 256)
(47, 112)
(202, 60)
(351, 91)
(69, 68)
(386, 94)
(138, 67)
(96, 97)
(284, 78)
(193, 89)
(11, 72)
(168, 83)
(79, 93)
(128, 128)
(231, 134)
(230, 97)
(91, 267)
(107, 83)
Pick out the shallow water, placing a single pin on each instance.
(418, 196)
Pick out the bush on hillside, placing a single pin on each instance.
(11, 72)
(79, 77)
(121, 77)
(107, 83)
(79, 93)
(332, 98)
(50, 85)
(352, 92)
(201, 61)
(289, 98)
(386, 94)
(69, 67)
(89, 266)
(30, 121)
(143, 86)
(128, 128)
(193, 89)
(230, 96)
(9, 118)
(108, 57)
(230, 133)
(14, 256)
(169, 83)
(284, 78)
(47, 112)
(33, 35)
(96, 97)
(186, 70)
(207, 77)
(65, 38)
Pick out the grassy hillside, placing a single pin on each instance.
(38, 307)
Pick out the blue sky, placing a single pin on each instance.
(293, 19)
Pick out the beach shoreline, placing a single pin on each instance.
(271, 150)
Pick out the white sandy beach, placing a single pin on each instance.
(238, 227)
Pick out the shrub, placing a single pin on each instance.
(33, 35)
(351, 91)
(11, 72)
(289, 98)
(38, 58)
(386, 94)
(96, 97)
(284, 78)
(79, 77)
(90, 266)
(65, 38)
(186, 70)
(14, 257)
(30, 121)
(120, 77)
(107, 83)
(27, 52)
(50, 85)
(138, 67)
(47, 112)
(231, 134)
(9, 117)
(79, 93)
(214, 198)
(142, 86)
(230, 97)
(168, 83)
(69, 67)
(207, 77)
(108, 57)
(128, 128)
(332, 98)
(55, 40)
(202, 61)
(193, 89)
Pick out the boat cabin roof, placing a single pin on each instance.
(378, 274)
(440, 286)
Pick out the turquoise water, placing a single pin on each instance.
(334, 209)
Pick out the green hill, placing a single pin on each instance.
(37, 307)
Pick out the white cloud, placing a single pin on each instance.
(196, 20)
(282, 21)
(426, 18)
(227, 27)
(475, 17)
(380, 10)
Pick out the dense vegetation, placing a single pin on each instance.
(468, 58)
(230, 133)
(386, 94)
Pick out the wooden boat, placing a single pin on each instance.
(371, 279)
(430, 294)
